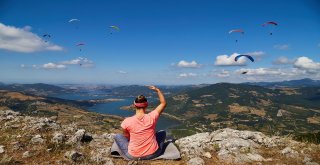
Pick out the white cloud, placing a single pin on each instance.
(275, 74)
(27, 28)
(282, 47)
(122, 72)
(306, 63)
(282, 61)
(260, 71)
(256, 53)
(22, 40)
(81, 61)
(185, 64)
(225, 60)
(187, 75)
(51, 65)
(224, 74)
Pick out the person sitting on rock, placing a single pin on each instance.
(139, 139)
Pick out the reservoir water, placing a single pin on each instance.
(113, 108)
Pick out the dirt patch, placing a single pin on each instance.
(314, 120)
(265, 102)
(289, 91)
(211, 116)
(236, 108)
(258, 112)
(181, 97)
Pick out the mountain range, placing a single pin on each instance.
(292, 83)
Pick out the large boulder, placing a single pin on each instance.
(80, 136)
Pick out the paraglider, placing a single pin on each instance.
(236, 31)
(80, 45)
(73, 20)
(271, 23)
(113, 29)
(243, 55)
(46, 37)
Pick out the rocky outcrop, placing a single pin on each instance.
(239, 147)
(42, 139)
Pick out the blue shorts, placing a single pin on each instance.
(123, 143)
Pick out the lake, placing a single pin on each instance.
(113, 108)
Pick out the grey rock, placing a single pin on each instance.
(288, 152)
(1, 149)
(255, 157)
(312, 163)
(100, 155)
(37, 139)
(108, 136)
(58, 138)
(80, 136)
(26, 154)
(17, 145)
(196, 161)
(74, 155)
(207, 155)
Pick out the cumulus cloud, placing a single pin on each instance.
(186, 64)
(275, 74)
(225, 60)
(187, 75)
(256, 53)
(261, 71)
(122, 72)
(22, 40)
(307, 64)
(51, 65)
(282, 61)
(282, 47)
(224, 74)
(80, 61)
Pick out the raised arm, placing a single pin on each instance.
(163, 102)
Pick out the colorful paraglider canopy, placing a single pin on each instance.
(80, 44)
(114, 27)
(46, 35)
(243, 55)
(73, 20)
(270, 23)
(236, 31)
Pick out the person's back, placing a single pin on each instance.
(142, 134)
(139, 139)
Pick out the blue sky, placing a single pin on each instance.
(159, 42)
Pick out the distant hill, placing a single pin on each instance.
(38, 88)
(292, 83)
(243, 106)
(135, 90)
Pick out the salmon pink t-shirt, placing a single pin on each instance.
(142, 134)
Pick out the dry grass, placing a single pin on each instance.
(20, 96)
(211, 116)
